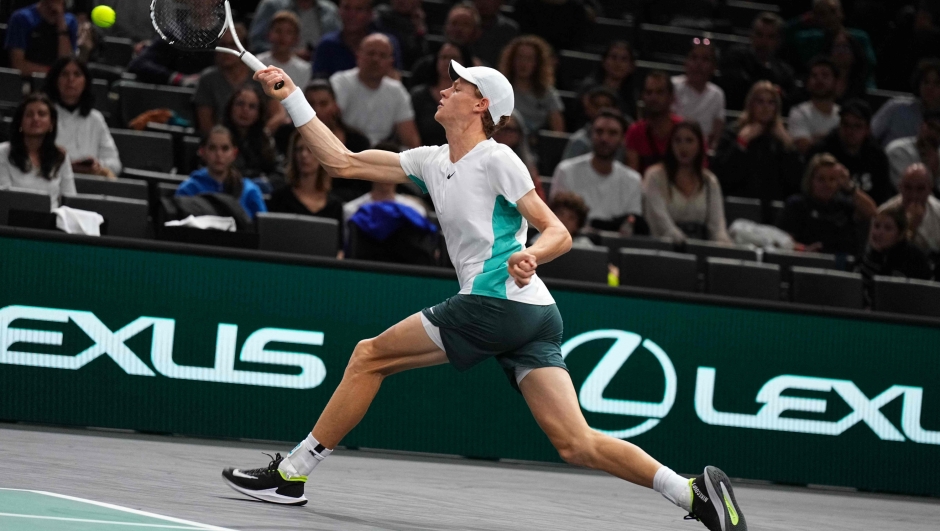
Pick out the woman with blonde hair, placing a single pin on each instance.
(308, 190)
(756, 157)
(528, 64)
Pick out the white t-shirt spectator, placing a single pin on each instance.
(806, 121)
(374, 112)
(607, 196)
(87, 136)
(902, 152)
(703, 107)
(62, 183)
(297, 69)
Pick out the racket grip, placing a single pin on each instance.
(253, 63)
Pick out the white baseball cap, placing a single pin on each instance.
(492, 84)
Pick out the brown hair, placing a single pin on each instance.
(899, 216)
(489, 126)
(287, 17)
(544, 76)
(572, 202)
(292, 175)
(822, 160)
(232, 184)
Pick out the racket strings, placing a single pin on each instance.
(192, 24)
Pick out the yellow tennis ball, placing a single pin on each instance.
(103, 16)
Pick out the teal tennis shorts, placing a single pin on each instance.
(472, 328)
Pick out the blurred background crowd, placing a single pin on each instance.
(813, 125)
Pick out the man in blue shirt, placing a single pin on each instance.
(39, 34)
(337, 50)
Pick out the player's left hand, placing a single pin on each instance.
(521, 267)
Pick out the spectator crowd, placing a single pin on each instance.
(792, 112)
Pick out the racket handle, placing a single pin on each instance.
(253, 63)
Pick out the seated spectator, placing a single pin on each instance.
(889, 252)
(647, 139)
(610, 189)
(696, 97)
(528, 63)
(308, 187)
(923, 148)
(284, 35)
(496, 30)
(851, 144)
(902, 116)
(681, 198)
(31, 158)
(923, 209)
(514, 135)
(405, 20)
(370, 100)
(743, 65)
(320, 95)
(821, 32)
(426, 96)
(220, 175)
(337, 51)
(317, 18)
(756, 157)
(823, 218)
(462, 26)
(384, 192)
(812, 120)
(218, 83)
(82, 131)
(39, 34)
(855, 71)
(595, 99)
(617, 71)
(915, 36)
(563, 23)
(244, 117)
(162, 64)
(572, 212)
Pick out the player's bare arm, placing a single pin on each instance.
(370, 165)
(554, 241)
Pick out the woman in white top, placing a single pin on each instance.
(31, 159)
(681, 198)
(83, 132)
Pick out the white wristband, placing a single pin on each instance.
(297, 107)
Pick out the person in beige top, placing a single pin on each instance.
(682, 199)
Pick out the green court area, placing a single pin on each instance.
(34, 510)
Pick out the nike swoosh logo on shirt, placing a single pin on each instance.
(451, 175)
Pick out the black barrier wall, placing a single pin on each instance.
(148, 338)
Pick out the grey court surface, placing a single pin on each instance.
(91, 480)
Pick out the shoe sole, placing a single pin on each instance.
(267, 495)
(719, 489)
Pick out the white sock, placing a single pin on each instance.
(304, 457)
(673, 487)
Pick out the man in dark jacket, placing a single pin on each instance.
(852, 145)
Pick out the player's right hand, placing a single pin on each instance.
(521, 267)
(269, 77)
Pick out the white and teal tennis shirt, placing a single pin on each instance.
(475, 200)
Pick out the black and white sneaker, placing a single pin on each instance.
(267, 484)
(713, 502)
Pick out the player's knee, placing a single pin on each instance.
(576, 449)
(362, 359)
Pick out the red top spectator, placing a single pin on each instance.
(647, 139)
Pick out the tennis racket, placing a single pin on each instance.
(197, 25)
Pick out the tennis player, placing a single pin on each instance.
(484, 199)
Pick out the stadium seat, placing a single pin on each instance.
(584, 264)
(741, 14)
(550, 147)
(615, 241)
(644, 268)
(103, 102)
(671, 44)
(606, 30)
(742, 208)
(134, 98)
(573, 67)
(826, 287)
(144, 151)
(11, 88)
(188, 155)
(22, 199)
(741, 278)
(907, 296)
(293, 233)
(125, 217)
(706, 249)
(5, 124)
(435, 14)
(127, 188)
(878, 97)
(788, 259)
(116, 51)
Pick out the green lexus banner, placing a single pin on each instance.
(224, 347)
